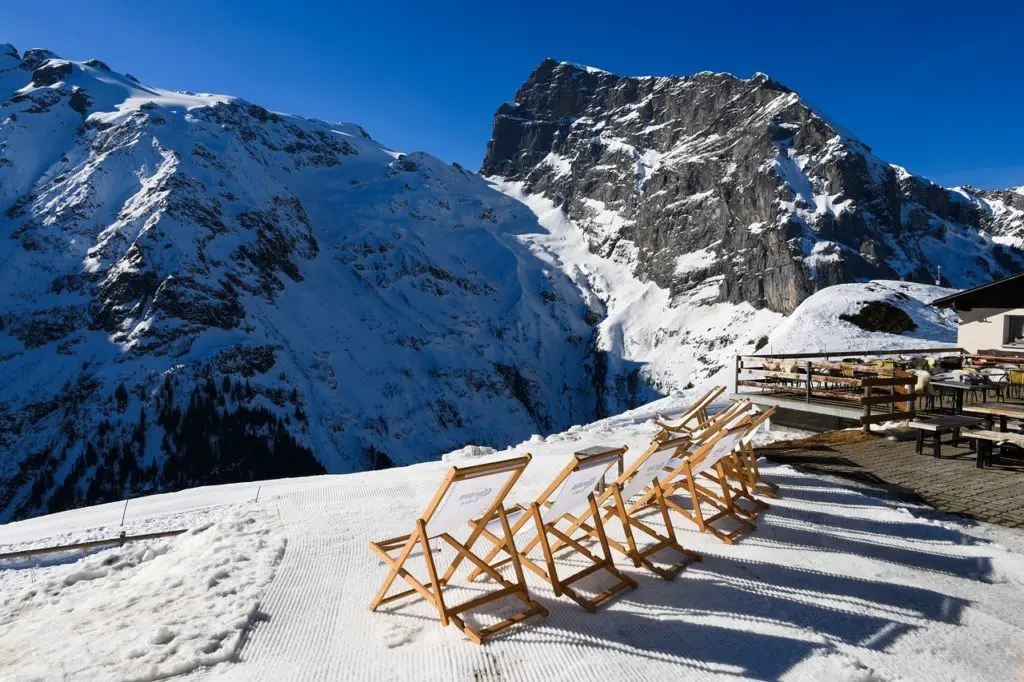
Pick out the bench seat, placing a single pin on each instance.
(987, 438)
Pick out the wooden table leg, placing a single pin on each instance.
(937, 444)
(980, 461)
(920, 441)
(1002, 423)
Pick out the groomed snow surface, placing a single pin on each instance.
(837, 583)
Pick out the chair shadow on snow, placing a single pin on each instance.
(910, 529)
(733, 614)
(748, 617)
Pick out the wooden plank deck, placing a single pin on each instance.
(950, 484)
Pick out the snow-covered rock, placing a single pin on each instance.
(739, 187)
(828, 320)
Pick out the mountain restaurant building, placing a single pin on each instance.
(991, 316)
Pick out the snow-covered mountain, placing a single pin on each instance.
(715, 181)
(198, 290)
(725, 203)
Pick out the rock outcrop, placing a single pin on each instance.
(713, 178)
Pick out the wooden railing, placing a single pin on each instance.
(883, 391)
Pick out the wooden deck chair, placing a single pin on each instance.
(707, 461)
(695, 417)
(737, 470)
(466, 493)
(756, 483)
(644, 473)
(571, 491)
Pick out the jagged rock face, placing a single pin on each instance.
(739, 183)
(199, 290)
(1002, 212)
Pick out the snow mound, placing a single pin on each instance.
(145, 611)
(467, 452)
(817, 324)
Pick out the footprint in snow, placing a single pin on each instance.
(395, 635)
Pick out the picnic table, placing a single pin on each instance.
(1005, 412)
(988, 437)
(938, 424)
(959, 388)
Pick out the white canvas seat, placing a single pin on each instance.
(645, 473)
(715, 460)
(466, 493)
(571, 492)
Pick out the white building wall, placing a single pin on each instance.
(984, 328)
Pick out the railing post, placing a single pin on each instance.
(739, 366)
(892, 405)
(867, 408)
(808, 381)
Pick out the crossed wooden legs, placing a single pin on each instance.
(722, 502)
(433, 594)
(755, 482)
(629, 522)
(562, 585)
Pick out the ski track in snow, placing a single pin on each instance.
(837, 583)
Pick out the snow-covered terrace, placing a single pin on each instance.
(836, 583)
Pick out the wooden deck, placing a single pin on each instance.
(950, 484)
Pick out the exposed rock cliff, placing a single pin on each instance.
(715, 179)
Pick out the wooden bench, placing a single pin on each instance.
(938, 425)
(987, 438)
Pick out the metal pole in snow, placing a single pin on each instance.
(258, 494)
(124, 512)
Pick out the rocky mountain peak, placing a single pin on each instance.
(714, 179)
(36, 57)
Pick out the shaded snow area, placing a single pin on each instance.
(836, 583)
(816, 324)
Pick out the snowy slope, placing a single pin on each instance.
(835, 584)
(817, 326)
(691, 340)
(671, 343)
(199, 290)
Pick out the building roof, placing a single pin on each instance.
(1002, 293)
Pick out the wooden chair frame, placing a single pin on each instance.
(545, 531)
(739, 471)
(749, 469)
(612, 504)
(420, 537)
(697, 412)
(685, 477)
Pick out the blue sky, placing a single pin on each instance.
(934, 87)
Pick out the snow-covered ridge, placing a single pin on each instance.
(681, 168)
(183, 267)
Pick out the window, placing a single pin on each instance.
(1015, 330)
